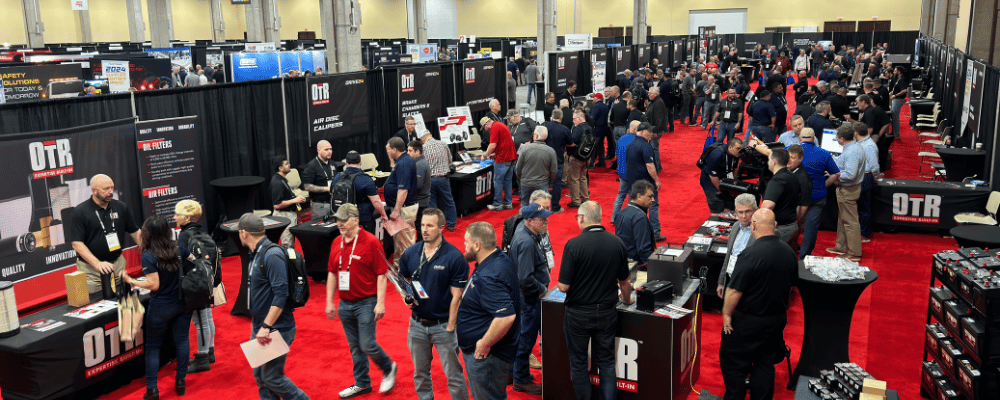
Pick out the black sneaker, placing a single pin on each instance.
(451, 229)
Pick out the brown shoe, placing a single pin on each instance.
(534, 363)
(529, 388)
(573, 205)
(850, 258)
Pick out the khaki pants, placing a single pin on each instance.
(848, 227)
(403, 239)
(576, 175)
(94, 276)
(286, 235)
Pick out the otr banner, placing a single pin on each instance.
(420, 92)
(479, 84)
(338, 105)
(169, 165)
(46, 175)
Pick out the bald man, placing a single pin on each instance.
(97, 232)
(753, 315)
(316, 177)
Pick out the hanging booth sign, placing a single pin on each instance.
(39, 82)
(170, 166)
(972, 103)
(420, 91)
(266, 46)
(338, 105)
(562, 68)
(116, 72)
(599, 69)
(253, 66)
(623, 60)
(178, 56)
(79, 5)
(479, 84)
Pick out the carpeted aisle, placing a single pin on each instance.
(886, 331)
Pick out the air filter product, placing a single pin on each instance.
(9, 324)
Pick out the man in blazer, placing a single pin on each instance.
(739, 239)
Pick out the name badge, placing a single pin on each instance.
(344, 280)
(726, 115)
(732, 264)
(417, 287)
(112, 240)
(329, 182)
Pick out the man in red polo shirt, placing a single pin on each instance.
(357, 274)
(502, 144)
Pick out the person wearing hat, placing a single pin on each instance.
(365, 192)
(502, 146)
(268, 295)
(641, 166)
(599, 113)
(533, 268)
(356, 274)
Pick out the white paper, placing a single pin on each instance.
(421, 129)
(716, 223)
(257, 355)
(699, 240)
(93, 310)
(117, 74)
(461, 110)
(673, 252)
(453, 129)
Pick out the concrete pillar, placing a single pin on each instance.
(33, 27)
(272, 22)
(326, 29)
(85, 33)
(159, 24)
(170, 21)
(983, 30)
(420, 20)
(347, 36)
(218, 25)
(546, 31)
(136, 28)
(639, 22)
(255, 21)
(926, 16)
(577, 16)
(951, 26)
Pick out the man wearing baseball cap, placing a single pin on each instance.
(502, 144)
(641, 166)
(268, 294)
(533, 275)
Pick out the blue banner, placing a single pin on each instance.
(254, 66)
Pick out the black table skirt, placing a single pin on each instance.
(273, 234)
(961, 163)
(315, 237)
(983, 236)
(894, 204)
(472, 191)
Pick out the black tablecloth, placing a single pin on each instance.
(984, 236)
(961, 163)
(272, 229)
(472, 191)
(802, 390)
(924, 204)
(84, 357)
(315, 237)
(828, 309)
(710, 256)
(237, 193)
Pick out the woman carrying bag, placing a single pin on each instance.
(186, 215)
(161, 263)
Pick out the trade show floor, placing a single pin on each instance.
(887, 329)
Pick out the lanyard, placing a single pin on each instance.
(326, 170)
(101, 220)
(340, 261)
(423, 261)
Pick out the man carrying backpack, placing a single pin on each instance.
(715, 165)
(285, 202)
(580, 150)
(359, 190)
(186, 215)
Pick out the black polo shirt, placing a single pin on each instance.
(319, 174)
(875, 117)
(592, 265)
(805, 186)
(90, 223)
(280, 191)
(783, 190)
(839, 106)
(735, 109)
(765, 273)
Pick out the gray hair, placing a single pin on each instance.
(538, 195)
(822, 107)
(494, 102)
(564, 103)
(591, 212)
(821, 84)
(746, 199)
(542, 133)
(795, 117)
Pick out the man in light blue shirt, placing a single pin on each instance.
(739, 238)
(852, 170)
(862, 136)
(792, 137)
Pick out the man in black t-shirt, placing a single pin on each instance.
(795, 157)
(316, 177)
(594, 267)
(284, 202)
(97, 233)
(782, 194)
(898, 89)
(878, 127)
(754, 312)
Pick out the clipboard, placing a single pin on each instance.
(257, 355)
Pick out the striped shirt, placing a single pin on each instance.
(852, 164)
(438, 157)
(871, 155)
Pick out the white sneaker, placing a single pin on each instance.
(388, 381)
(353, 391)
(494, 208)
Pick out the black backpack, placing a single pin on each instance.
(708, 150)
(587, 145)
(202, 246)
(509, 227)
(194, 283)
(298, 277)
(342, 191)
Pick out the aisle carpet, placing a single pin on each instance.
(887, 329)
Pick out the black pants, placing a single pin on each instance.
(750, 350)
(883, 144)
(593, 325)
(687, 108)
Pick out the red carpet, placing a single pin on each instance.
(887, 331)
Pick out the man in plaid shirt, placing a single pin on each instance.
(438, 156)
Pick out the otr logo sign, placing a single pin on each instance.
(321, 91)
(50, 158)
(470, 75)
(923, 208)
(562, 63)
(406, 81)
(626, 365)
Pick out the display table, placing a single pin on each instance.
(710, 256)
(315, 237)
(472, 188)
(828, 309)
(924, 204)
(961, 163)
(802, 390)
(983, 236)
(237, 193)
(82, 357)
(273, 226)
(654, 352)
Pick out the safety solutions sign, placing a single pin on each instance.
(39, 82)
(337, 106)
(420, 91)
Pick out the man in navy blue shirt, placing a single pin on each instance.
(823, 173)
(401, 195)
(488, 314)
(438, 272)
(533, 275)
(559, 136)
(621, 154)
(780, 108)
(641, 166)
(365, 192)
(599, 113)
(764, 116)
(820, 121)
(632, 223)
(717, 166)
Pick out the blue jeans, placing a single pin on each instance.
(811, 229)
(162, 315)
(699, 106)
(503, 182)
(359, 324)
(897, 107)
(531, 323)
(710, 108)
(526, 192)
(420, 340)
(271, 380)
(726, 131)
(555, 189)
(487, 377)
(623, 191)
(670, 118)
(531, 90)
(865, 205)
(593, 325)
(441, 198)
(762, 132)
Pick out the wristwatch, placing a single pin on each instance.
(268, 327)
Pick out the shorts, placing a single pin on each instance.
(715, 204)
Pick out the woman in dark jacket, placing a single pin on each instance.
(161, 264)
(186, 215)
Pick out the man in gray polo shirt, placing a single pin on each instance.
(537, 166)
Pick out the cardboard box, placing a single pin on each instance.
(873, 390)
(76, 289)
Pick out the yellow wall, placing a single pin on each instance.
(298, 15)
(62, 24)
(387, 18)
(192, 19)
(12, 30)
(108, 21)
